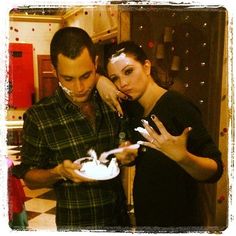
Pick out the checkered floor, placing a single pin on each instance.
(40, 208)
(40, 203)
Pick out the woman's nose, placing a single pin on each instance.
(123, 82)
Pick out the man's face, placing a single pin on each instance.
(77, 75)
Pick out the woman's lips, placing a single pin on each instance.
(127, 93)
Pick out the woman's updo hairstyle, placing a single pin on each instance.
(132, 49)
(126, 47)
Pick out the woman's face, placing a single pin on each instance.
(129, 75)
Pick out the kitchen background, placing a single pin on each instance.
(188, 46)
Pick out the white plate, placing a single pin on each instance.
(94, 177)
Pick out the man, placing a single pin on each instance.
(62, 128)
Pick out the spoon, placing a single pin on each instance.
(104, 155)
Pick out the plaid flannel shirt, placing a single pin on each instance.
(55, 130)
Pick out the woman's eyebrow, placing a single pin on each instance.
(121, 70)
(127, 66)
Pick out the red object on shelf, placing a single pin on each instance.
(221, 199)
(21, 75)
(225, 130)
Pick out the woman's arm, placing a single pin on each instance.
(110, 94)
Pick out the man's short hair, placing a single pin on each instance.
(70, 41)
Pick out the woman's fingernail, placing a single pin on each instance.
(140, 142)
(120, 115)
(145, 122)
(153, 117)
(129, 98)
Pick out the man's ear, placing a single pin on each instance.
(96, 62)
(54, 72)
(147, 67)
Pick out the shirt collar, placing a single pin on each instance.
(61, 98)
(66, 104)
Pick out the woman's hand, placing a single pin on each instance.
(67, 171)
(110, 94)
(172, 146)
(199, 167)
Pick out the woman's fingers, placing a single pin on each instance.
(110, 94)
(116, 106)
(147, 135)
(172, 146)
(152, 134)
(159, 125)
(186, 131)
(121, 95)
(116, 99)
(113, 99)
(155, 140)
(149, 144)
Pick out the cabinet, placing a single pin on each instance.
(47, 79)
(21, 75)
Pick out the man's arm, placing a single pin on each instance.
(43, 178)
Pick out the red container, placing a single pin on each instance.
(21, 75)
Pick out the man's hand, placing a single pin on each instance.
(128, 155)
(66, 170)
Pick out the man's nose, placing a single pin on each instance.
(78, 85)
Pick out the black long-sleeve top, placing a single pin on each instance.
(165, 195)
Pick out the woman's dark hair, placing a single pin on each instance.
(130, 48)
(70, 41)
(127, 47)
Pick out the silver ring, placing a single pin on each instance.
(117, 92)
(63, 177)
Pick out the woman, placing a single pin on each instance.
(179, 152)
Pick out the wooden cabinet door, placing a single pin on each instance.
(47, 80)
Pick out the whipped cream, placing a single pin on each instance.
(96, 170)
